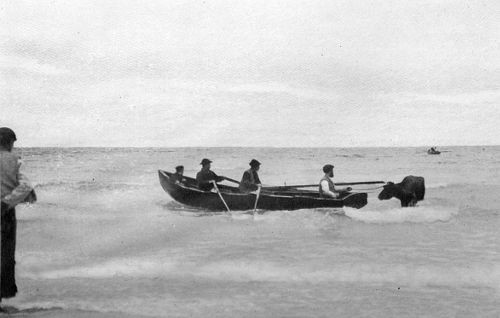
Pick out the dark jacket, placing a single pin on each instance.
(203, 178)
(249, 181)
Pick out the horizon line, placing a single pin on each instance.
(275, 147)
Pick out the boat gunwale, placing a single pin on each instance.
(164, 173)
(228, 193)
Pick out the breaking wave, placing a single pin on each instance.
(90, 185)
(243, 270)
(419, 214)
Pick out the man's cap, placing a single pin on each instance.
(327, 168)
(205, 161)
(7, 134)
(178, 168)
(254, 163)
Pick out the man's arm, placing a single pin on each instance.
(346, 189)
(326, 190)
(24, 192)
(207, 177)
(256, 177)
(217, 178)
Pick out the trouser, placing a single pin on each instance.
(9, 225)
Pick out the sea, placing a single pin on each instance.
(105, 238)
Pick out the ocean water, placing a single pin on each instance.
(105, 237)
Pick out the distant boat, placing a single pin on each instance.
(291, 199)
(433, 151)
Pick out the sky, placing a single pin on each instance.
(250, 73)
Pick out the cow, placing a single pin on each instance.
(408, 191)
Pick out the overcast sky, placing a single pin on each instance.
(250, 73)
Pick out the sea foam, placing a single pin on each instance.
(266, 271)
(419, 214)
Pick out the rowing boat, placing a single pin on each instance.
(189, 194)
(433, 152)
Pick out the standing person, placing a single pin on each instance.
(15, 188)
(327, 187)
(250, 180)
(205, 176)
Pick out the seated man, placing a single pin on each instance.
(205, 176)
(327, 187)
(250, 180)
(177, 177)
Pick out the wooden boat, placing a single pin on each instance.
(290, 199)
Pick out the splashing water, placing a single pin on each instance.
(419, 214)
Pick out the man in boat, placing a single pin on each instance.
(15, 188)
(250, 180)
(205, 176)
(177, 177)
(327, 188)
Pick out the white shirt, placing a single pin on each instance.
(326, 190)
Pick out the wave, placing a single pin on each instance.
(118, 267)
(351, 156)
(89, 185)
(245, 271)
(400, 274)
(437, 185)
(419, 214)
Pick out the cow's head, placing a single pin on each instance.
(388, 192)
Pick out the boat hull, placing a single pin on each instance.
(187, 194)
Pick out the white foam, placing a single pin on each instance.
(413, 275)
(117, 267)
(487, 275)
(419, 214)
(437, 185)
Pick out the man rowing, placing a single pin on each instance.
(205, 176)
(250, 180)
(327, 188)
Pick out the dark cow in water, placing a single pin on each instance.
(408, 191)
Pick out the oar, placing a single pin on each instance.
(256, 200)
(362, 182)
(220, 195)
(231, 180)
(316, 185)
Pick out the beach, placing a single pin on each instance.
(104, 239)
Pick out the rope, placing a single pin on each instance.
(369, 189)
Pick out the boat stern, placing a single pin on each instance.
(356, 200)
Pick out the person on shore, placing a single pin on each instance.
(178, 177)
(205, 176)
(327, 188)
(250, 180)
(15, 188)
